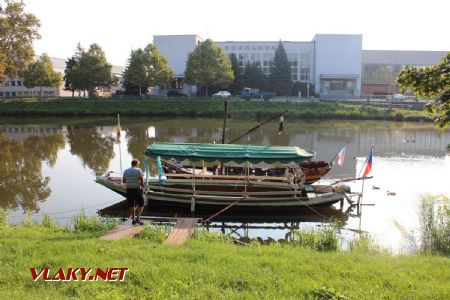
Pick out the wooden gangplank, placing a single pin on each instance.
(122, 231)
(182, 231)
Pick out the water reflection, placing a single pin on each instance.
(22, 152)
(94, 146)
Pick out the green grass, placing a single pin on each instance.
(210, 267)
(204, 107)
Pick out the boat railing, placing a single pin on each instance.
(231, 177)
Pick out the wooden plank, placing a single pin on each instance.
(182, 231)
(122, 231)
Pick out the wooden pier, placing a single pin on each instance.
(122, 231)
(182, 231)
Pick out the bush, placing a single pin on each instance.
(82, 223)
(28, 221)
(3, 217)
(204, 235)
(364, 243)
(321, 239)
(153, 232)
(48, 222)
(434, 214)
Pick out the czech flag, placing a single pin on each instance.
(368, 163)
(341, 156)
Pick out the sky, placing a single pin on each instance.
(120, 26)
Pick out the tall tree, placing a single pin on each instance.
(147, 67)
(72, 78)
(280, 72)
(41, 73)
(432, 82)
(236, 86)
(93, 70)
(18, 30)
(208, 66)
(253, 76)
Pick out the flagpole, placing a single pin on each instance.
(118, 139)
(364, 179)
(338, 153)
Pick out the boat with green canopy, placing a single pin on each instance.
(205, 188)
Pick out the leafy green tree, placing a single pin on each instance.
(280, 72)
(93, 70)
(236, 86)
(254, 77)
(432, 82)
(72, 78)
(147, 67)
(208, 66)
(41, 73)
(18, 30)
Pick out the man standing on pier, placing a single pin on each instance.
(134, 180)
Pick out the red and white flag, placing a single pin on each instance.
(341, 156)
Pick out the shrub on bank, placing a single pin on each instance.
(94, 224)
(3, 217)
(153, 232)
(434, 213)
(324, 238)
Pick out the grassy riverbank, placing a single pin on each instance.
(211, 268)
(204, 108)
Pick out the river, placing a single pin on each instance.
(49, 166)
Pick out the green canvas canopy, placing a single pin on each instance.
(229, 153)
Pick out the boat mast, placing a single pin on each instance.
(225, 117)
(256, 127)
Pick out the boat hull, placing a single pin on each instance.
(212, 193)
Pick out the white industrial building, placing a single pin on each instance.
(335, 64)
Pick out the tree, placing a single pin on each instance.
(18, 30)
(41, 73)
(93, 70)
(147, 68)
(208, 66)
(236, 86)
(253, 76)
(280, 72)
(432, 82)
(72, 79)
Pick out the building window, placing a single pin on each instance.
(13, 83)
(243, 59)
(226, 47)
(380, 73)
(233, 47)
(246, 48)
(7, 94)
(240, 48)
(13, 94)
(19, 83)
(255, 58)
(6, 83)
(267, 61)
(292, 58)
(1, 83)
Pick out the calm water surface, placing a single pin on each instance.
(50, 166)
